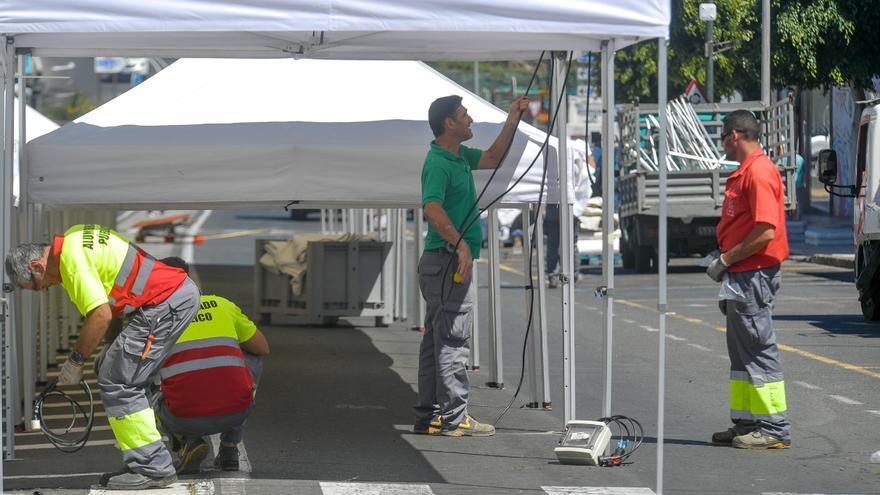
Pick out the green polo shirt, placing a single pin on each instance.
(447, 179)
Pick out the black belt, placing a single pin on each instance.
(440, 250)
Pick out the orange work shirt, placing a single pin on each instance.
(754, 193)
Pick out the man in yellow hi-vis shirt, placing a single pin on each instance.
(209, 381)
(106, 276)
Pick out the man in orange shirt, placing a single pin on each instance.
(753, 241)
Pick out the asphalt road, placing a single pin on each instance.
(334, 404)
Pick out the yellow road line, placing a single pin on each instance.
(784, 347)
(807, 354)
(510, 269)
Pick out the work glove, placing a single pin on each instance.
(71, 373)
(716, 269)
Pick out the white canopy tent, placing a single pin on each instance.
(389, 29)
(180, 139)
(37, 125)
(342, 29)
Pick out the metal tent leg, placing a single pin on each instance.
(541, 334)
(566, 233)
(661, 259)
(608, 218)
(6, 307)
(419, 246)
(496, 374)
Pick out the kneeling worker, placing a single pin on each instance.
(209, 381)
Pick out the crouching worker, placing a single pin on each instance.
(106, 276)
(209, 381)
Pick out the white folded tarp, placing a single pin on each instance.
(232, 132)
(36, 124)
(378, 29)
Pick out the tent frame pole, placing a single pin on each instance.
(566, 234)
(496, 373)
(29, 300)
(608, 217)
(530, 363)
(661, 257)
(541, 334)
(418, 247)
(6, 305)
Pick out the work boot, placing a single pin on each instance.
(138, 481)
(227, 458)
(106, 476)
(470, 427)
(758, 440)
(724, 437)
(432, 428)
(191, 456)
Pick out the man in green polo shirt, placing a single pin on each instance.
(454, 239)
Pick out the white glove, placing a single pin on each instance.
(71, 373)
(716, 269)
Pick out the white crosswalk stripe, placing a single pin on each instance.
(793, 493)
(596, 490)
(194, 487)
(374, 489)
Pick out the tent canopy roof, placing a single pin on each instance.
(343, 29)
(229, 132)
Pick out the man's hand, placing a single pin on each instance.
(519, 106)
(71, 373)
(465, 262)
(717, 268)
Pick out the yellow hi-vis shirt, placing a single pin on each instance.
(218, 317)
(90, 260)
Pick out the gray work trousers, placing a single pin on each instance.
(125, 376)
(444, 352)
(757, 387)
(229, 426)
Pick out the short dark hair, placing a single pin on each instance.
(743, 122)
(175, 262)
(440, 110)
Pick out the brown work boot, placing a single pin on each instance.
(758, 440)
(191, 456)
(470, 427)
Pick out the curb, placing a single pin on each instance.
(838, 260)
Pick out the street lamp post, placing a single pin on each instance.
(708, 13)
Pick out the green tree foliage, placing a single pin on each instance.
(813, 43)
(73, 107)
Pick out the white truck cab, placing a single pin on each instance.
(866, 210)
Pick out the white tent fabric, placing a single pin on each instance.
(378, 29)
(221, 132)
(36, 125)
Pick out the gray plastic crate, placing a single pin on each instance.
(343, 278)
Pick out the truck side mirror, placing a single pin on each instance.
(827, 166)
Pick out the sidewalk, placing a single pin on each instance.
(822, 239)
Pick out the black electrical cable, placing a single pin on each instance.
(587, 119)
(630, 435)
(462, 228)
(534, 240)
(62, 440)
